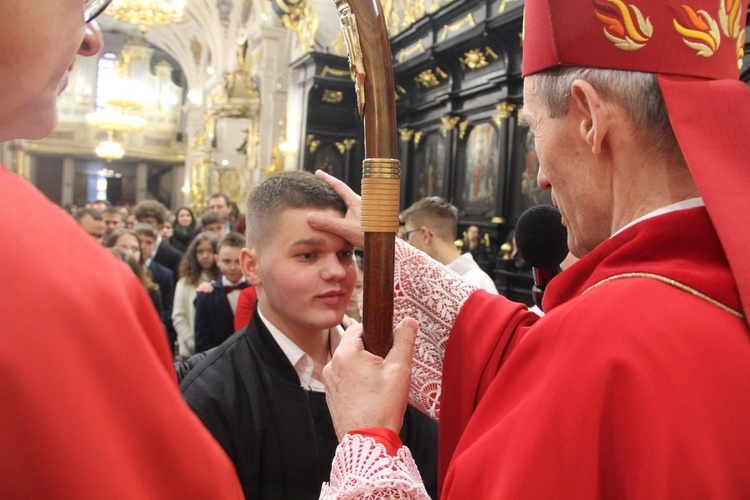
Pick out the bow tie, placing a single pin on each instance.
(229, 289)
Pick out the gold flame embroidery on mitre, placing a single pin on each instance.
(730, 19)
(699, 30)
(621, 26)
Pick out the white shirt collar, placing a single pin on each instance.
(303, 364)
(225, 281)
(680, 205)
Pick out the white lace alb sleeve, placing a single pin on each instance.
(432, 294)
(362, 469)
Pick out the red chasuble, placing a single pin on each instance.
(636, 384)
(89, 403)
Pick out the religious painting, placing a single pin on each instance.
(480, 172)
(429, 167)
(329, 159)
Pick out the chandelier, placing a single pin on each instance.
(123, 97)
(145, 13)
(110, 149)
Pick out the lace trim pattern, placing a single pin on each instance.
(362, 469)
(433, 295)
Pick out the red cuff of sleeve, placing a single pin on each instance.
(381, 435)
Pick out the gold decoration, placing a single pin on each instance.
(345, 145)
(354, 48)
(406, 134)
(312, 143)
(327, 70)
(339, 45)
(145, 13)
(476, 58)
(417, 139)
(504, 5)
(277, 162)
(506, 248)
(407, 52)
(303, 20)
(462, 129)
(429, 79)
(332, 96)
(198, 185)
(449, 123)
(473, 59)
(469, 19)
(504, 110)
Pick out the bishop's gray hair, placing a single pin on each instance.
(637, 92)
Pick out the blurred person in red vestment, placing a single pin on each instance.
(90, 405)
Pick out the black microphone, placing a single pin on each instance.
(542, 241)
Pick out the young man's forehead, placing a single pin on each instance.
(229, 250)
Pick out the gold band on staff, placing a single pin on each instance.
(380, 195)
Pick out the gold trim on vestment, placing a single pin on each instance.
(675, 284)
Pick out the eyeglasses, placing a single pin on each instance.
(407, 233)
(92, 8)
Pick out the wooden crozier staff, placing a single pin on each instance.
(366, 36)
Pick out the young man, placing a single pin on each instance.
(213, 222)
(160, 274)
(260, 393)
(154, 213)
(214, 311)
(113, 220)
(431, 225)
(635, 382)
(91, 221)
(90, 407)
(219, 203)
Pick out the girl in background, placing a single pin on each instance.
(198, 265)
(183, 230)
(127, 240)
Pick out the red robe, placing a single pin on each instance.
(89, 404)
(632, 389)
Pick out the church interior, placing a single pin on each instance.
(192, 97)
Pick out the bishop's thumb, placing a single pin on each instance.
(403, 342)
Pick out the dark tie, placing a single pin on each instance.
(241, 286)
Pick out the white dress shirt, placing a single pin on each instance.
(308, 370)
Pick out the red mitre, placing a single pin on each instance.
(696, 48)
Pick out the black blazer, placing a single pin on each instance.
(279, 436)
(214, 319)
(163, 277)
(168, 256)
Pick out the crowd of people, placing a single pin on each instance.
(176, 254)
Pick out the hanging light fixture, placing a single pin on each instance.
(110, 149)
(145, 13)
(123, 97)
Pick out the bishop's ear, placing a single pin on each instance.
(591, 112)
